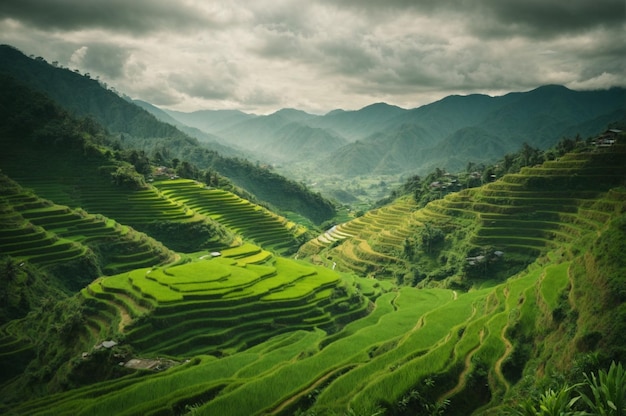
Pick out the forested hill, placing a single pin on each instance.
(138, 129)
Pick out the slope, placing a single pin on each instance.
(191, 131)
(285, 336)
(139, 130)
(417, 348)
(549, 205)
(480, 129)
(67, 161)
(74, 245)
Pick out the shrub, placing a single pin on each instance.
(605, 394)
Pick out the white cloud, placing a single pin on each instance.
(602, 81)
(78, 56)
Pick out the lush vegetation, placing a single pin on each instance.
(124, 291)
(464, 230)
(134, 129)
(293, 338)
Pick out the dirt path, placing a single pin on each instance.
(463, 376)
(498, 364)
(284, 405)
(124, 319)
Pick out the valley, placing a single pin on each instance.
(347, 154)
(464, 257)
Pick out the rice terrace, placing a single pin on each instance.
(143, 273)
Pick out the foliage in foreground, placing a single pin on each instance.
(603, 394)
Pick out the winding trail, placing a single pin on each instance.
(498, 364)
(463, 376)
(508, 347)
(293, 399)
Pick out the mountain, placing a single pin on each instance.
(281, 137)
(211, 120)
(208, 140)
(139, 130)
(456, 130)
(541, 116)
(296, 141)
(358, 124)
(449, 133)
(258, 132)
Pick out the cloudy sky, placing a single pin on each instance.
(318, 55)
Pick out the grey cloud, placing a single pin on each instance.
(346, 58)
(266, 53)
(538, 18)
(501, 18)
(294, 17)
(272, 44)
(106, 60)
(160, 97)
(260, 97)
(136, 16)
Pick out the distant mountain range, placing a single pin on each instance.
(385, 139)
(379, 139)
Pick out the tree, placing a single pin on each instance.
(429, 237)
(408, 248)
(187, 170)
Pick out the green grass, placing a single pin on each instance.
(152, 289)
(247, 303)
(254, 222)
(553, 283)
(292, 335)
(524, 215)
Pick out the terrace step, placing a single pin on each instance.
(220, 303)
(252, 221)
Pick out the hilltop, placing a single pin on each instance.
(137, 129)
(128, 288)
(538, 250)
(384, 142)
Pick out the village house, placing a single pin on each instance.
(607, 139)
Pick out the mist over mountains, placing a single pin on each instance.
(378, 143)
(146, 251)
(135, 129)
(385, 139)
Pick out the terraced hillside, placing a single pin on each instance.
(246, 332)
(213, 305)
(46, 234)
(247, 295)
(497, 292)
(386, 227)
(274, 362)
(519, 217)
(57, 179)
(168, 210)
(249, 220)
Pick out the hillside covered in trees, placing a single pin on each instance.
(139, 283)
(133, 128)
